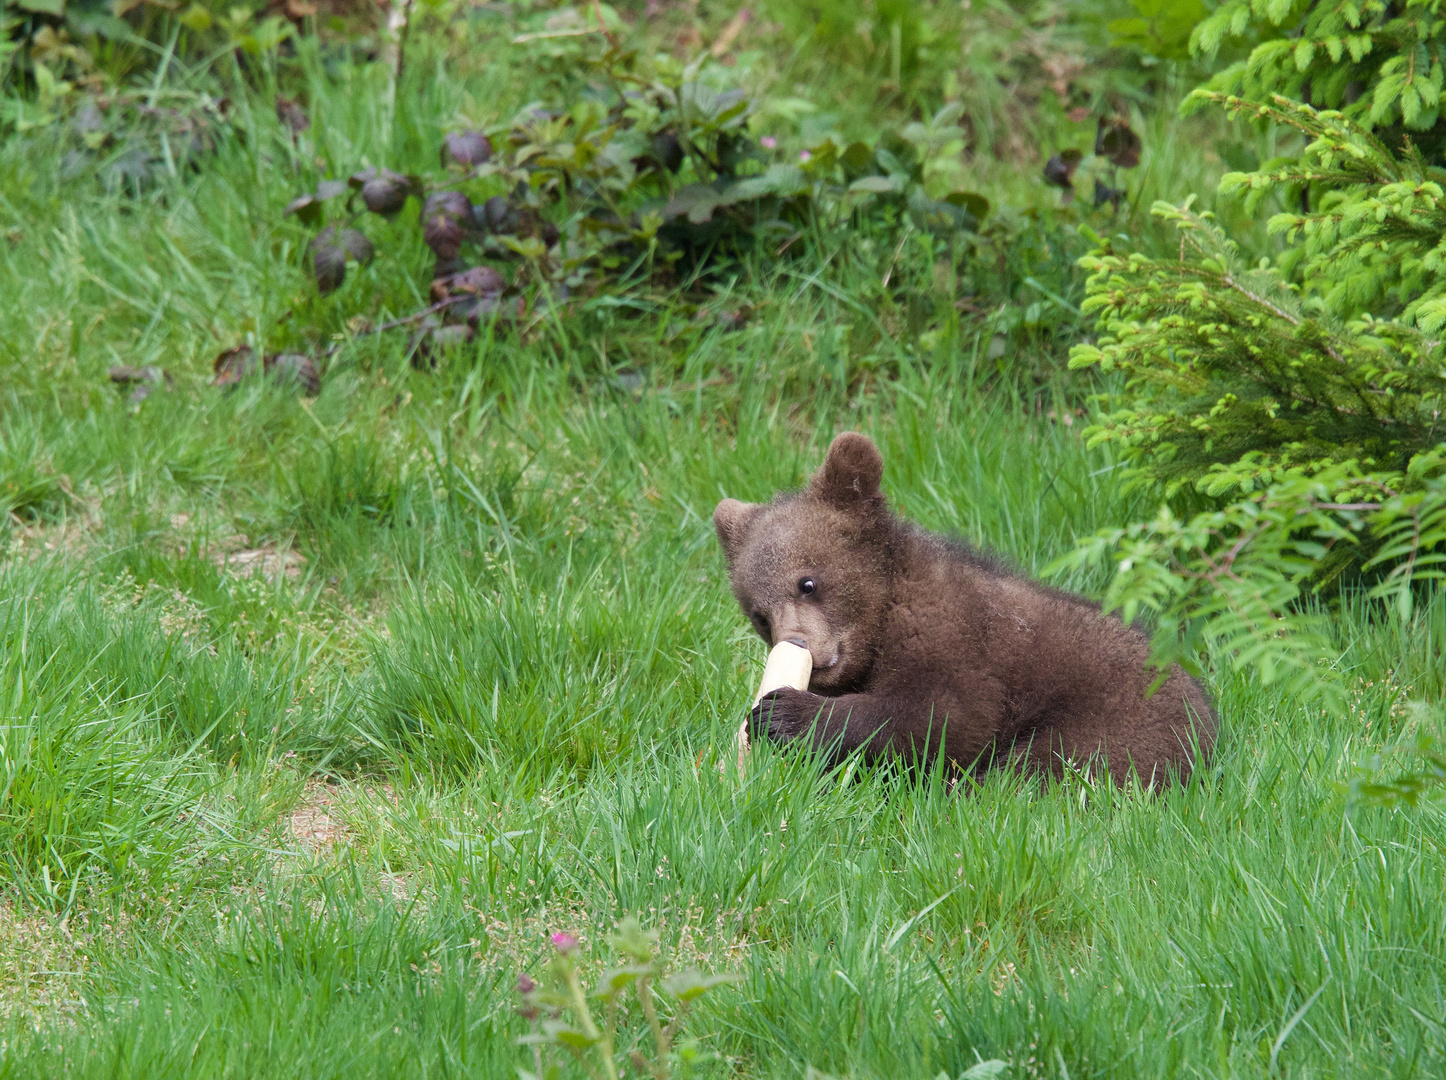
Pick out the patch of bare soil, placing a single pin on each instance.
(317, 824)
(314, 822)
(515, 941)
(71, 535)
(270, 562)
(43, 961)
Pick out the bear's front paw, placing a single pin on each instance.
(786, 714)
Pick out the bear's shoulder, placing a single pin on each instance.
(943, 557)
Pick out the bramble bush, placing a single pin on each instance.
(562, 1017)
(60, 54)
(649, 173)
(134, 91)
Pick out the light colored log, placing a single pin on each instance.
(788, 665)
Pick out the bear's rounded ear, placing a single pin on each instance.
(730, 519)
(851, 472)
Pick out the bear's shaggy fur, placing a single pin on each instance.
(922, 644)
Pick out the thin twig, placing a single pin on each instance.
(1409, 569)
(418, 316)
(1226, 563)
(730, 34)
(1230, 282)
(402, 42)
(545, 35)
(597, 10)
(660, 1037)
(894, 261)
(406, 320)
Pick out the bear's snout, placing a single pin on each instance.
(800, 642)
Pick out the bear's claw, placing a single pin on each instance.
(785, 715)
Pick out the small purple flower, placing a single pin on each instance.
(564, 941)
(768, 142)
(528, 1009)
(804, 155)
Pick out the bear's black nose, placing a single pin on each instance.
(797, 641)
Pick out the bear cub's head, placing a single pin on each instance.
(816, 567)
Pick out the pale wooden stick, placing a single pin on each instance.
(788, 665)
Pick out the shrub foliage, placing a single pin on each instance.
(1379, 63)
(1303, 399)
(648, 172)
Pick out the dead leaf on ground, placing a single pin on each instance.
(1062, 68)
(1059, 171)
(432, 339)
(144, 380)
(466, 148)
(1117, 142)
(296, 369)
(730, 34)
(233, 365)
(292, 116)
(1106, 194)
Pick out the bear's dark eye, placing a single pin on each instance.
(761, 621)
(806, 586)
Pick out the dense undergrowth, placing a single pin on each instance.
(322, 713)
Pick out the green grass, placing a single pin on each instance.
(506, 643)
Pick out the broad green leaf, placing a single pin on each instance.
(856, 157)
(875, 184)
(975, 203)
(614, 980)
(690, 984)
(196, 18)
(568, 1036)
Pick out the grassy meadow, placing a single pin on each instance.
(318, 715)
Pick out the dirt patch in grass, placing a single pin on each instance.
(688, 937)
(315, 822)
(43, 961)
(71, 536)
(269, 562)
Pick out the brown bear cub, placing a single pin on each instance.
(922, 645)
